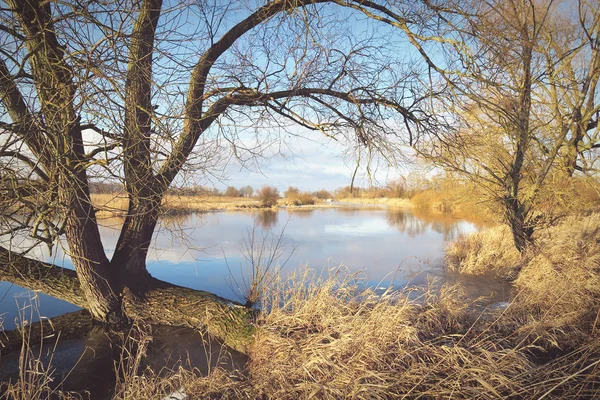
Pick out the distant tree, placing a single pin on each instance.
(232, 192)
(246, 191)
(322, 194)
(291, 193)
(306, 199)
(347, 192)
(397, 188)
(268, 196)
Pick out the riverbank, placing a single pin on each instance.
(110, 205)
(114, 205)
(329, 337)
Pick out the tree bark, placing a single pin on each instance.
(162, 303)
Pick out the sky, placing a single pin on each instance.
(311, 162)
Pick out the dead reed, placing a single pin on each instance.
(330, 336)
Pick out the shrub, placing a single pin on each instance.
(322, 194)
(306, 199)
(268, 196)
(232, 192)
(291, 193)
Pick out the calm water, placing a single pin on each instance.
(205, 251)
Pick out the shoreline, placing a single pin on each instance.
(115, 205)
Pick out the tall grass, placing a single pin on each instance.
(557, 284)
(264, 256)
(489, 252)
(36, 378)
(331, 336)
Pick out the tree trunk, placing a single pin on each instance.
(94, 272)
(129, 259)
(162, 303)
(516, 217)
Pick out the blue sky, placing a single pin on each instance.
(313, 163)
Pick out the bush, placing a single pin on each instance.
(291, 193)
(322, 194)
(268, 196)
(232, 192)
(306, 199)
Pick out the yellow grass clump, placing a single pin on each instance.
(329, 339)
(557, 286)
(560, 283)
(489, 252)
(116, 204)
(391, 202)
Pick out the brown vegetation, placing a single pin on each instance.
(328, 337)
(110, 204)
(556, 281)
(268, 196)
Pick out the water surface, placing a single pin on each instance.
(209, 251)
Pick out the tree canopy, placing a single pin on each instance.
(141, 92)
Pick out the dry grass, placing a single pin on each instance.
(557, 288)
(327, 337)
(489, 252)
(116, 204)
(36, 371)
(559, 285)
(392, 202)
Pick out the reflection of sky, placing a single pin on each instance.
(204, 251)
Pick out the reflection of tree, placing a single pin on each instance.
(266, 218)
(417, 221)
(301, 213)
(355, 209)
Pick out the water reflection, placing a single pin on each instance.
(418, 221)
(267, 218)
(87, 361)
(201, 251)
(301, 213)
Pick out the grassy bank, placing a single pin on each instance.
(556, 281)
(392, 202)
(116, 204)
(110, 205)
(327, 337)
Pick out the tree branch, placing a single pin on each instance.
(195, 122)
(163, 303)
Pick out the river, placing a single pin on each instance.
(209, 251)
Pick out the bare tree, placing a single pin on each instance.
(516, 81)
(138, 92)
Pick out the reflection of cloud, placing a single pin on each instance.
(364, 227)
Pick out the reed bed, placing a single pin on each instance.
(331, 337)
(391, 202)
(489, 252)
(115, 204)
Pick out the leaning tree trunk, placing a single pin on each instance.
(96, 276)
(162, 303)
(516, 216)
